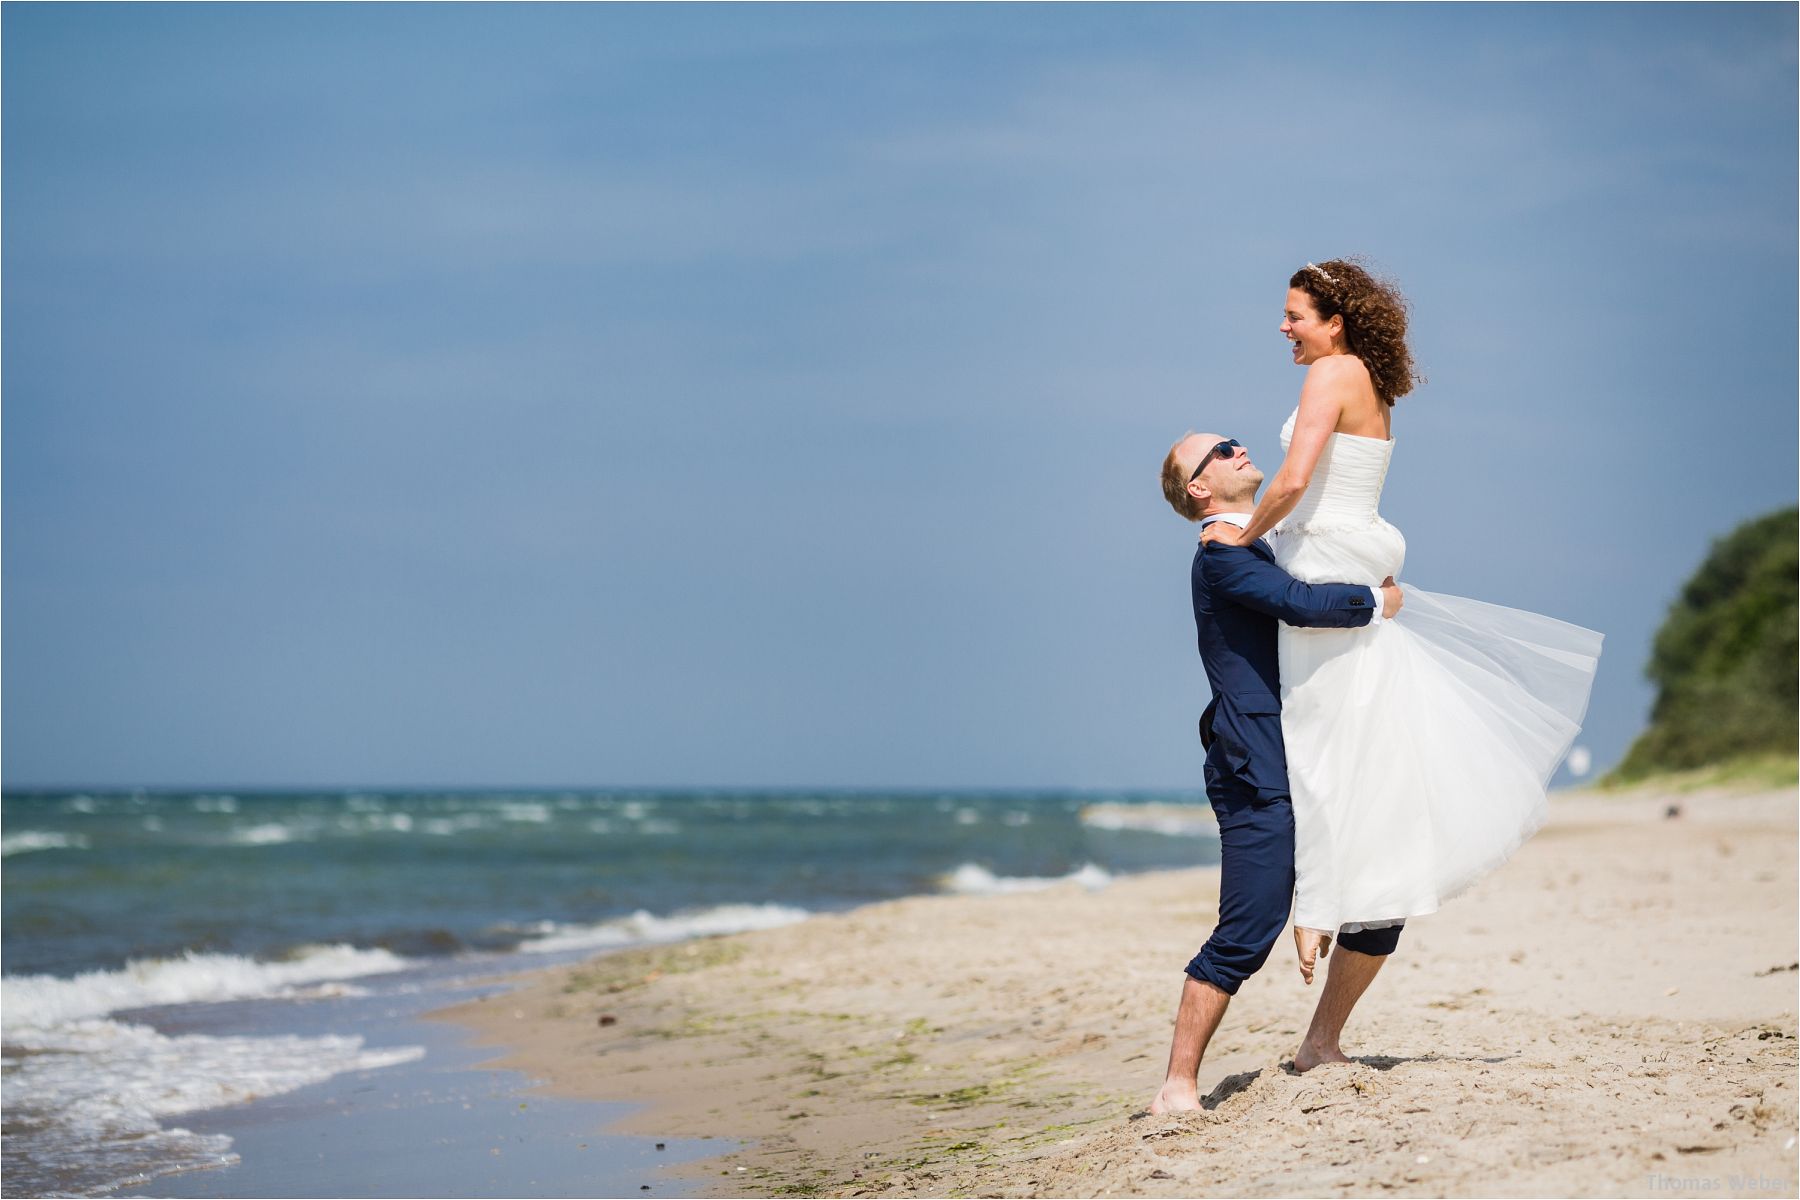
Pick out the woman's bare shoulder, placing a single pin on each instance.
(1338, 369)
(1341, 382)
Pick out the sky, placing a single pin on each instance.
(751, 396)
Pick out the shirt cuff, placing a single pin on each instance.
(1375, 598)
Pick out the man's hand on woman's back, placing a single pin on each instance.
(1391, 599)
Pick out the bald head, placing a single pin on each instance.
(1227, 481)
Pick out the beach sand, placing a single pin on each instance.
(1612, 1013)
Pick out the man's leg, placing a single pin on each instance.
(1256, 888)
(1202, 1007)
(1354, 965)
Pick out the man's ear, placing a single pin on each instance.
(1200, 492)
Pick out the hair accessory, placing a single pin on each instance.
(1323, 273)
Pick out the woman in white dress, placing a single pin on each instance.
(1418, 749)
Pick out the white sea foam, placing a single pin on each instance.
(270, 834)
(642, 928)
(94, 1094)
(375, 822)
(1170, 819)
(93, 1091)
(972, 879)
(45, 1001)
(534, 813)
(450, 826)
(152, 1075)
(25, 841)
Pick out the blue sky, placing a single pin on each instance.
(564, 395)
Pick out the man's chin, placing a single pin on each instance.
(1248, 496)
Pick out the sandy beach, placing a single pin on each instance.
(1612, 1013)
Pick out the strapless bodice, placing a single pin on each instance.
(1346, 482)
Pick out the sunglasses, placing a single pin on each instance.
(1224, 449)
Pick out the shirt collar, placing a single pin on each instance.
(1241, 520)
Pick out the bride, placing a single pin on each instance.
(1418, 749)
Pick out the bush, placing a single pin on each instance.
(1725, 660)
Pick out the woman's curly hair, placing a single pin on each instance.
(1374, 315)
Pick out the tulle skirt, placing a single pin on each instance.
(1419, 749)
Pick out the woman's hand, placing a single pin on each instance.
(1223, 531)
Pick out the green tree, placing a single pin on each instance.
(1725, 660)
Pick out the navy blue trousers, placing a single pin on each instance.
(1256, 888)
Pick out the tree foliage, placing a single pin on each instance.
(1724, 661)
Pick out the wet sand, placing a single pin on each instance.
(1612, 1013)
(437, 1126)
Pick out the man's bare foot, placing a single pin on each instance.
(1311, 945)
(1309, 1056)
(1175, 1098)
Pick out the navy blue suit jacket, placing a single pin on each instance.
(1239, 594)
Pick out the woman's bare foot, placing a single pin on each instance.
(1311, 945)
(1175, 1098)
(1309, 1056)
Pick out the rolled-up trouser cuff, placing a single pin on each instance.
(1207, 972)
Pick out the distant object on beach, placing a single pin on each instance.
(1175, 820)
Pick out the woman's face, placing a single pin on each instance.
(1313, 338)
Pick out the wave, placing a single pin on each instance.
(450, 826)
(173, 1075)
(94, 1093)
(310, 828)
(271, 834)
(1174, 820)
(38, 839)
(644, 928)
(972, 879)
(46, 1001)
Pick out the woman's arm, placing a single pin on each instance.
(1329, 383)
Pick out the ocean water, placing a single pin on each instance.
(138, 924)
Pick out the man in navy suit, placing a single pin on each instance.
(1239, 594)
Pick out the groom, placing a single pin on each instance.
(1239, 594)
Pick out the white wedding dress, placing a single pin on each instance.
(1419, 748)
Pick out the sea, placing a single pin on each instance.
(170, 956)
